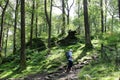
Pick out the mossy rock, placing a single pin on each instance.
(69, 39)
(53, 41)
(37, 44)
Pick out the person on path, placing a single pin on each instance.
(70, 60)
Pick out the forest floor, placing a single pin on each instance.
(60, 74)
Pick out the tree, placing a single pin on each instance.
(87, 27)
(119, 7)
(36, 20)
(32, 22)
(6, 41)
(22, 55)
(63, 18)
(49, 21)
(2, 22)
(15, 26)
(68, 8)
(102, 24)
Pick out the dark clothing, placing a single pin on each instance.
(70, 64)
(70, 61)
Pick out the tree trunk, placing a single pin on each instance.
(32, 21)
(15, 25)
(105, 15)
(79, 17)
(63, 18)
(36, 30)
(87, 27)
(102, 24)
(48, 18)
(112, 23)
(6, 42)
(68, 12)
(119, 7)
(2, 21)
(22, 55)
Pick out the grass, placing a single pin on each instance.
(38, 62)
(100, 71)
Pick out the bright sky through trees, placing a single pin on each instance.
(58, 11)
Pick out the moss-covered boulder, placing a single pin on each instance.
(69, 39)
(53, 41)
(37, 44)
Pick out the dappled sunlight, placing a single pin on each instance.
(100, 72)
(5, 74)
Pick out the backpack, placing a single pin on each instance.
(67, 54)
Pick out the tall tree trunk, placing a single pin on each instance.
(68, 12)
(112, 23)
(2, 20)
(49, 20)
(15, 25)
(63, 18)
(36, 30)
(102, 24)
(6, 41)
(78, 16)
(105, 15)
(87, 27)
(23, 55)
(119, 7)
(32, 21)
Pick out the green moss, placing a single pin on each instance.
(101, 71)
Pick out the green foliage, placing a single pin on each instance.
(110, 38)
(100, 71)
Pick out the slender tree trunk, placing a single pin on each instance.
(112, 23)
(36, 30)
(68, 20)
(49, 20)
(2, 20)
(15, 25)
(68, 12)
(119, 7)
(105, 15)
(32, 22)
(63, 18)
(87, 27)
(79, 16)
(6, 42)
(23, 55)
(102, 25)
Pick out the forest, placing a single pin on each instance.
(36, 34)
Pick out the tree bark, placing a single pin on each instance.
(78, 16)
(36, 24)
(49, 20)
(32, 21)
(23, 55)
(2, 21)
(15, 26)
(6, 41)
(119, 7)
(63, 18)
(102, 24)
(87, 27)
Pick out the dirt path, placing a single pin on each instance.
(60, 74)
